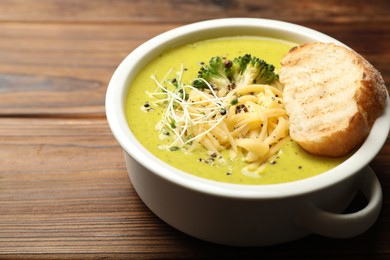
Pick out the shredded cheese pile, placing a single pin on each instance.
(251, 119)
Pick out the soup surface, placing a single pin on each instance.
(290, 164)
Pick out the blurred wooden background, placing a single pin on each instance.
(64, 190)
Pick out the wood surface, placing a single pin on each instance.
(64, 189)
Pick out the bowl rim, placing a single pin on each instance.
(115, 113)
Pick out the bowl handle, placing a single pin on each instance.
(336, 225)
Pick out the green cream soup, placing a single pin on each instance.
(290, 164)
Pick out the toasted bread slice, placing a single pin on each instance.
(332, 96)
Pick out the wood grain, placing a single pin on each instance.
(62, 69)
(172, 11)
(64, 189)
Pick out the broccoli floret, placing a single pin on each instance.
(266, 73)
(216, 73)
(239, 72)
(244, 70)
(239, 65)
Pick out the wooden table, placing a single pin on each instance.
(64, 190)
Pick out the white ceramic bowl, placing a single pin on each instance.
(244, 215)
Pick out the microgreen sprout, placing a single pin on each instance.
(181, 114)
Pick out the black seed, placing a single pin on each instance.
(228, 64)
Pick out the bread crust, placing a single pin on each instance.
(366, 103)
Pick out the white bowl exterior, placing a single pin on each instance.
(154, 179)
(233, 221)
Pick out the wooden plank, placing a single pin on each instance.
(188, 11)
(62, 69)
(41, 145)
(52, 69)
